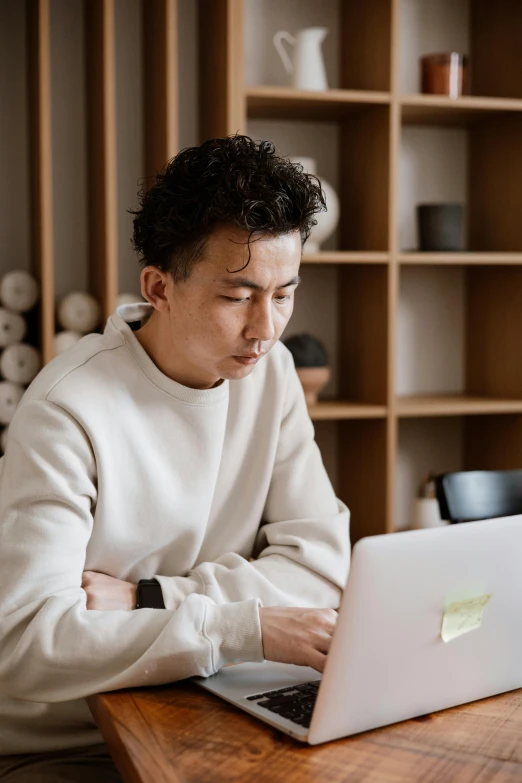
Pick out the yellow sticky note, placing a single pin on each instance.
(463, 616)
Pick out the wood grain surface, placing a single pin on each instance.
(178, 733)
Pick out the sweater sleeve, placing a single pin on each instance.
(54, 649)
(303, 545)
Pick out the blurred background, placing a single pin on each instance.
(409, 111)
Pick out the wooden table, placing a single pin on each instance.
(180, 734)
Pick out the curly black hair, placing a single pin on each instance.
(231, 180)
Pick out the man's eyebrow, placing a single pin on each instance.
(244, 282)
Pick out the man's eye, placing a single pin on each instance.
(282, 299)
(232, 299)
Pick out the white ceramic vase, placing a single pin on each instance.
(306, 65)
(326, 221)
(426, 514)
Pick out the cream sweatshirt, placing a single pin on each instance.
(113, 467)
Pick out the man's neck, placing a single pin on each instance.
(156, 340)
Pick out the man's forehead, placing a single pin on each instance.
(242, 281)
(225, 242)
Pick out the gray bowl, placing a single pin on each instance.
(441, 227)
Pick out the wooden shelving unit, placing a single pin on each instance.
(160, 120)
(372, 116)
(371, 112)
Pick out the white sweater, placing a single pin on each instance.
(113, 467)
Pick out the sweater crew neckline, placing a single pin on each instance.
(120, 320)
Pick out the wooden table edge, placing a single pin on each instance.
(129, 766)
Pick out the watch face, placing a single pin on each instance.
(150, 595)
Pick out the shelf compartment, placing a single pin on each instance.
(424, 446)
(270, 102)
(471, 259)
(337, 410)
(485, 176)
(453, 405)
(344, 257)
(463, 111)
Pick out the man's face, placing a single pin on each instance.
(222, 322)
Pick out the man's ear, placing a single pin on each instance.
(153, 287)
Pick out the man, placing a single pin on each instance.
(175, 447)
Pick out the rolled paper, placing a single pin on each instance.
(20, 363)
(19, 291)
(79, 312)
(3, 439)
(124, 299)
(12, 328)
(65, 340)
(10, 396)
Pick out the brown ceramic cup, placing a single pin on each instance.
(444, 74)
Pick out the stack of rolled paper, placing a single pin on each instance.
(19, 361)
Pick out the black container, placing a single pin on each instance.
(441, 227)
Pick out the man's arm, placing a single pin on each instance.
(303, 547)
(53, 648)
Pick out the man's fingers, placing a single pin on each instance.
(317, 660)
(323, 642)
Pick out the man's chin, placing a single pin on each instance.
(234, 371)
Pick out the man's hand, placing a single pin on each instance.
(299, 636)
(106, 593)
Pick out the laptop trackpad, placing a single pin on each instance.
(246, 679)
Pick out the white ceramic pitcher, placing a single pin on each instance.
(306, 66)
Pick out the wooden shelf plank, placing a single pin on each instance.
(345, 257)
(453, 405)
(99, 28)
(332, 410)
(416, 258)
(287, 102)
(441, 110)
(160, 83)
(41, 166)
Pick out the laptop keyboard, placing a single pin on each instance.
(295, 703)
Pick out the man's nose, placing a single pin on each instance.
(260, 324)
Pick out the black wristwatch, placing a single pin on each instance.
(149, 595)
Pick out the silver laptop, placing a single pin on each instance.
(429, 619)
